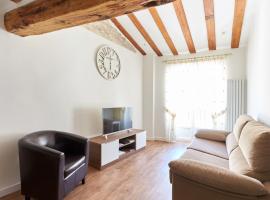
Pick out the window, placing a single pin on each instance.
(196, 91)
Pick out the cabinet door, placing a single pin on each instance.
(109, 152)
(140, 140)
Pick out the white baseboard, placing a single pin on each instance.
(10, 189)
(162, 139)
(185, 140)
(158, 139)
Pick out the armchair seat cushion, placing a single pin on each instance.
(73, 162)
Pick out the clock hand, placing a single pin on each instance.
(110, 62)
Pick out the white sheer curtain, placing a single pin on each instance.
(196, 92)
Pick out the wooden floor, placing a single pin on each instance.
(142, 176)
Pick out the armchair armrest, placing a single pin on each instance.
(41, 150)
(209, 134)
(44, 165)
(217, 178)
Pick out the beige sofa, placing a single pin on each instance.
(225, 166)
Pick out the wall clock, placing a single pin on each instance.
(108, 63)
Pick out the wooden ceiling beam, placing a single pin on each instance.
(182, 19)
(127, 35)
(210, 23)
(43, 16)
(144, 33)
(16, 1)
(239, 13)
(153, 11)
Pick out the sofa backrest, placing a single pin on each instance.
(240, 124)
(233, 138)
(255, 145)
(231, 143)
(252, 156)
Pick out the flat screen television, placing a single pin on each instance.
(116, 119)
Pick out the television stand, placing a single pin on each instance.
(107, 149)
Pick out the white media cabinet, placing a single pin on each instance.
(107, 149)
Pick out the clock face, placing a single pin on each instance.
(108, 63)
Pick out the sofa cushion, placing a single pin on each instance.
(255, 145)
(73, 162)
(209, 146)
(239, 125)
(238, 164)
(192, 154)
(231, 143)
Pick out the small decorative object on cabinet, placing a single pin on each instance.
(108, 63)
(105, 150)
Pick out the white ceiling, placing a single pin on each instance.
(7, 5)
(194, 9)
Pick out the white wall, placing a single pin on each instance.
(51, 82)
(236, 70)
(149, 95)
(258, 64)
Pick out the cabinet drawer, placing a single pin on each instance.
(140, 140)
(109, 152)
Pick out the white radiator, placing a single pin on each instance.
(236, 101)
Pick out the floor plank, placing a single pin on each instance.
(142, 176)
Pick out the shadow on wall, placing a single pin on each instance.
(9, 158)
(88, 121)
(5, 6)
(264, 118)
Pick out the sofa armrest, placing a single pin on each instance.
(217, 178)
(209, 134)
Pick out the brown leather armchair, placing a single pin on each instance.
(52, 163)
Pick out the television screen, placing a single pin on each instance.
(116, 119)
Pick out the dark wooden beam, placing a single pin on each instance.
(144, 33)
(182, 19)
(16, 1)
(210, 23)
(153, 11)
(239, 13)
(127, 35)
(43, 16)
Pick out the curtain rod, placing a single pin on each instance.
(196, 59)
